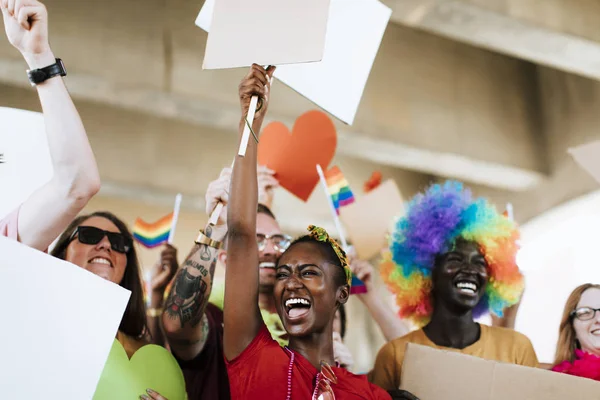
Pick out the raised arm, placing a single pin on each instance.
(241, 314)
(51, 208)
(162, 273)
(184, 321)
(390, 324)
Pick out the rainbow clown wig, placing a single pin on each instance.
(432, 224)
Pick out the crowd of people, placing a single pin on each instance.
(276, 330)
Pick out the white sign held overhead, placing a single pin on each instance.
(588, 157)
(265, 32)
(62, 323)
(25, 164)
(354, 32)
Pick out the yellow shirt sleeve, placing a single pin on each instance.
(385, 373)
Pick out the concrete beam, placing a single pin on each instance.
(361, 145)
(478, 27)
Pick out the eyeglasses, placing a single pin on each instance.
(92, 235)
(325, 379)
(280, 242)
(584, 313)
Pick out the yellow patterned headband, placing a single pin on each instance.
(321, 235)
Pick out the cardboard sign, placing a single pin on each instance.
(369, 218)
(25, 164)
(62, 321)
(266, 32)
(588, 157)
(460, 377)
(294, 155)
(151, 367)
(336, 84)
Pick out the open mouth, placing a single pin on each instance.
(267, 264)
(100, 260)
(296, 307)
(596, 332)
(467, 287)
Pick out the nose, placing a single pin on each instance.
(293, 283)
(104, 244)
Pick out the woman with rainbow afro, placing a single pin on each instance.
(452, 258)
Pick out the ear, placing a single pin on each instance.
(343, 293)
(222, 257)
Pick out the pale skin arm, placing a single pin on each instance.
(44, 215)
(391, 326)
(241, 314)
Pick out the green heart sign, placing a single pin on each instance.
(151, 367)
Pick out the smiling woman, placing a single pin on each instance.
(102, 244)
(311, 283)
(452, 258)
(578, 347)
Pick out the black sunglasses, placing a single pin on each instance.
(92, 235)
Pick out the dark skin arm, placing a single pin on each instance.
(184, 322)
(241, 314)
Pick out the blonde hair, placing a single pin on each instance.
(567, 340)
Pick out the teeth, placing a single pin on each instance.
(467, 285)
(295, 300)
(99, 260)
(266, 265)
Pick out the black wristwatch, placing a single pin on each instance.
(37, 76)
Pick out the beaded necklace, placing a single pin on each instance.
(289, 377)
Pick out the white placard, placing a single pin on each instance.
(266, 32)
(59, 324)
(588, 157)
(354, 32)
(26, 163)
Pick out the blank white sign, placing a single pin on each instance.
(59, 324)
(354, 32)
(26, 163)
(267, 32)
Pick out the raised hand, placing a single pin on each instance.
(363, 271)
(26, 25)
(256, 83)
(267, 183)
(164, 270)
(218, 192)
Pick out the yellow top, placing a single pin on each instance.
(496, 344)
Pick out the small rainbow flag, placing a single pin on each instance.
(358, 286)
(154, 234)
(338, 189)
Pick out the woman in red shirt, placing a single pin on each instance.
(311, 283)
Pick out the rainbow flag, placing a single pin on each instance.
(358, 286)
(154, 234)
(338, 189)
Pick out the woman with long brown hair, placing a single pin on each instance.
(102, 244)
(578, 347)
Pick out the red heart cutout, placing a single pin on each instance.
(294, 155)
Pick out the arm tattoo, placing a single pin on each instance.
(189, 295)
(205, 253)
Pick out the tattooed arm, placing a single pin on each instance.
(185, 324)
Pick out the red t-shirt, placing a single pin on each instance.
(261, 372)
(206, 375)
